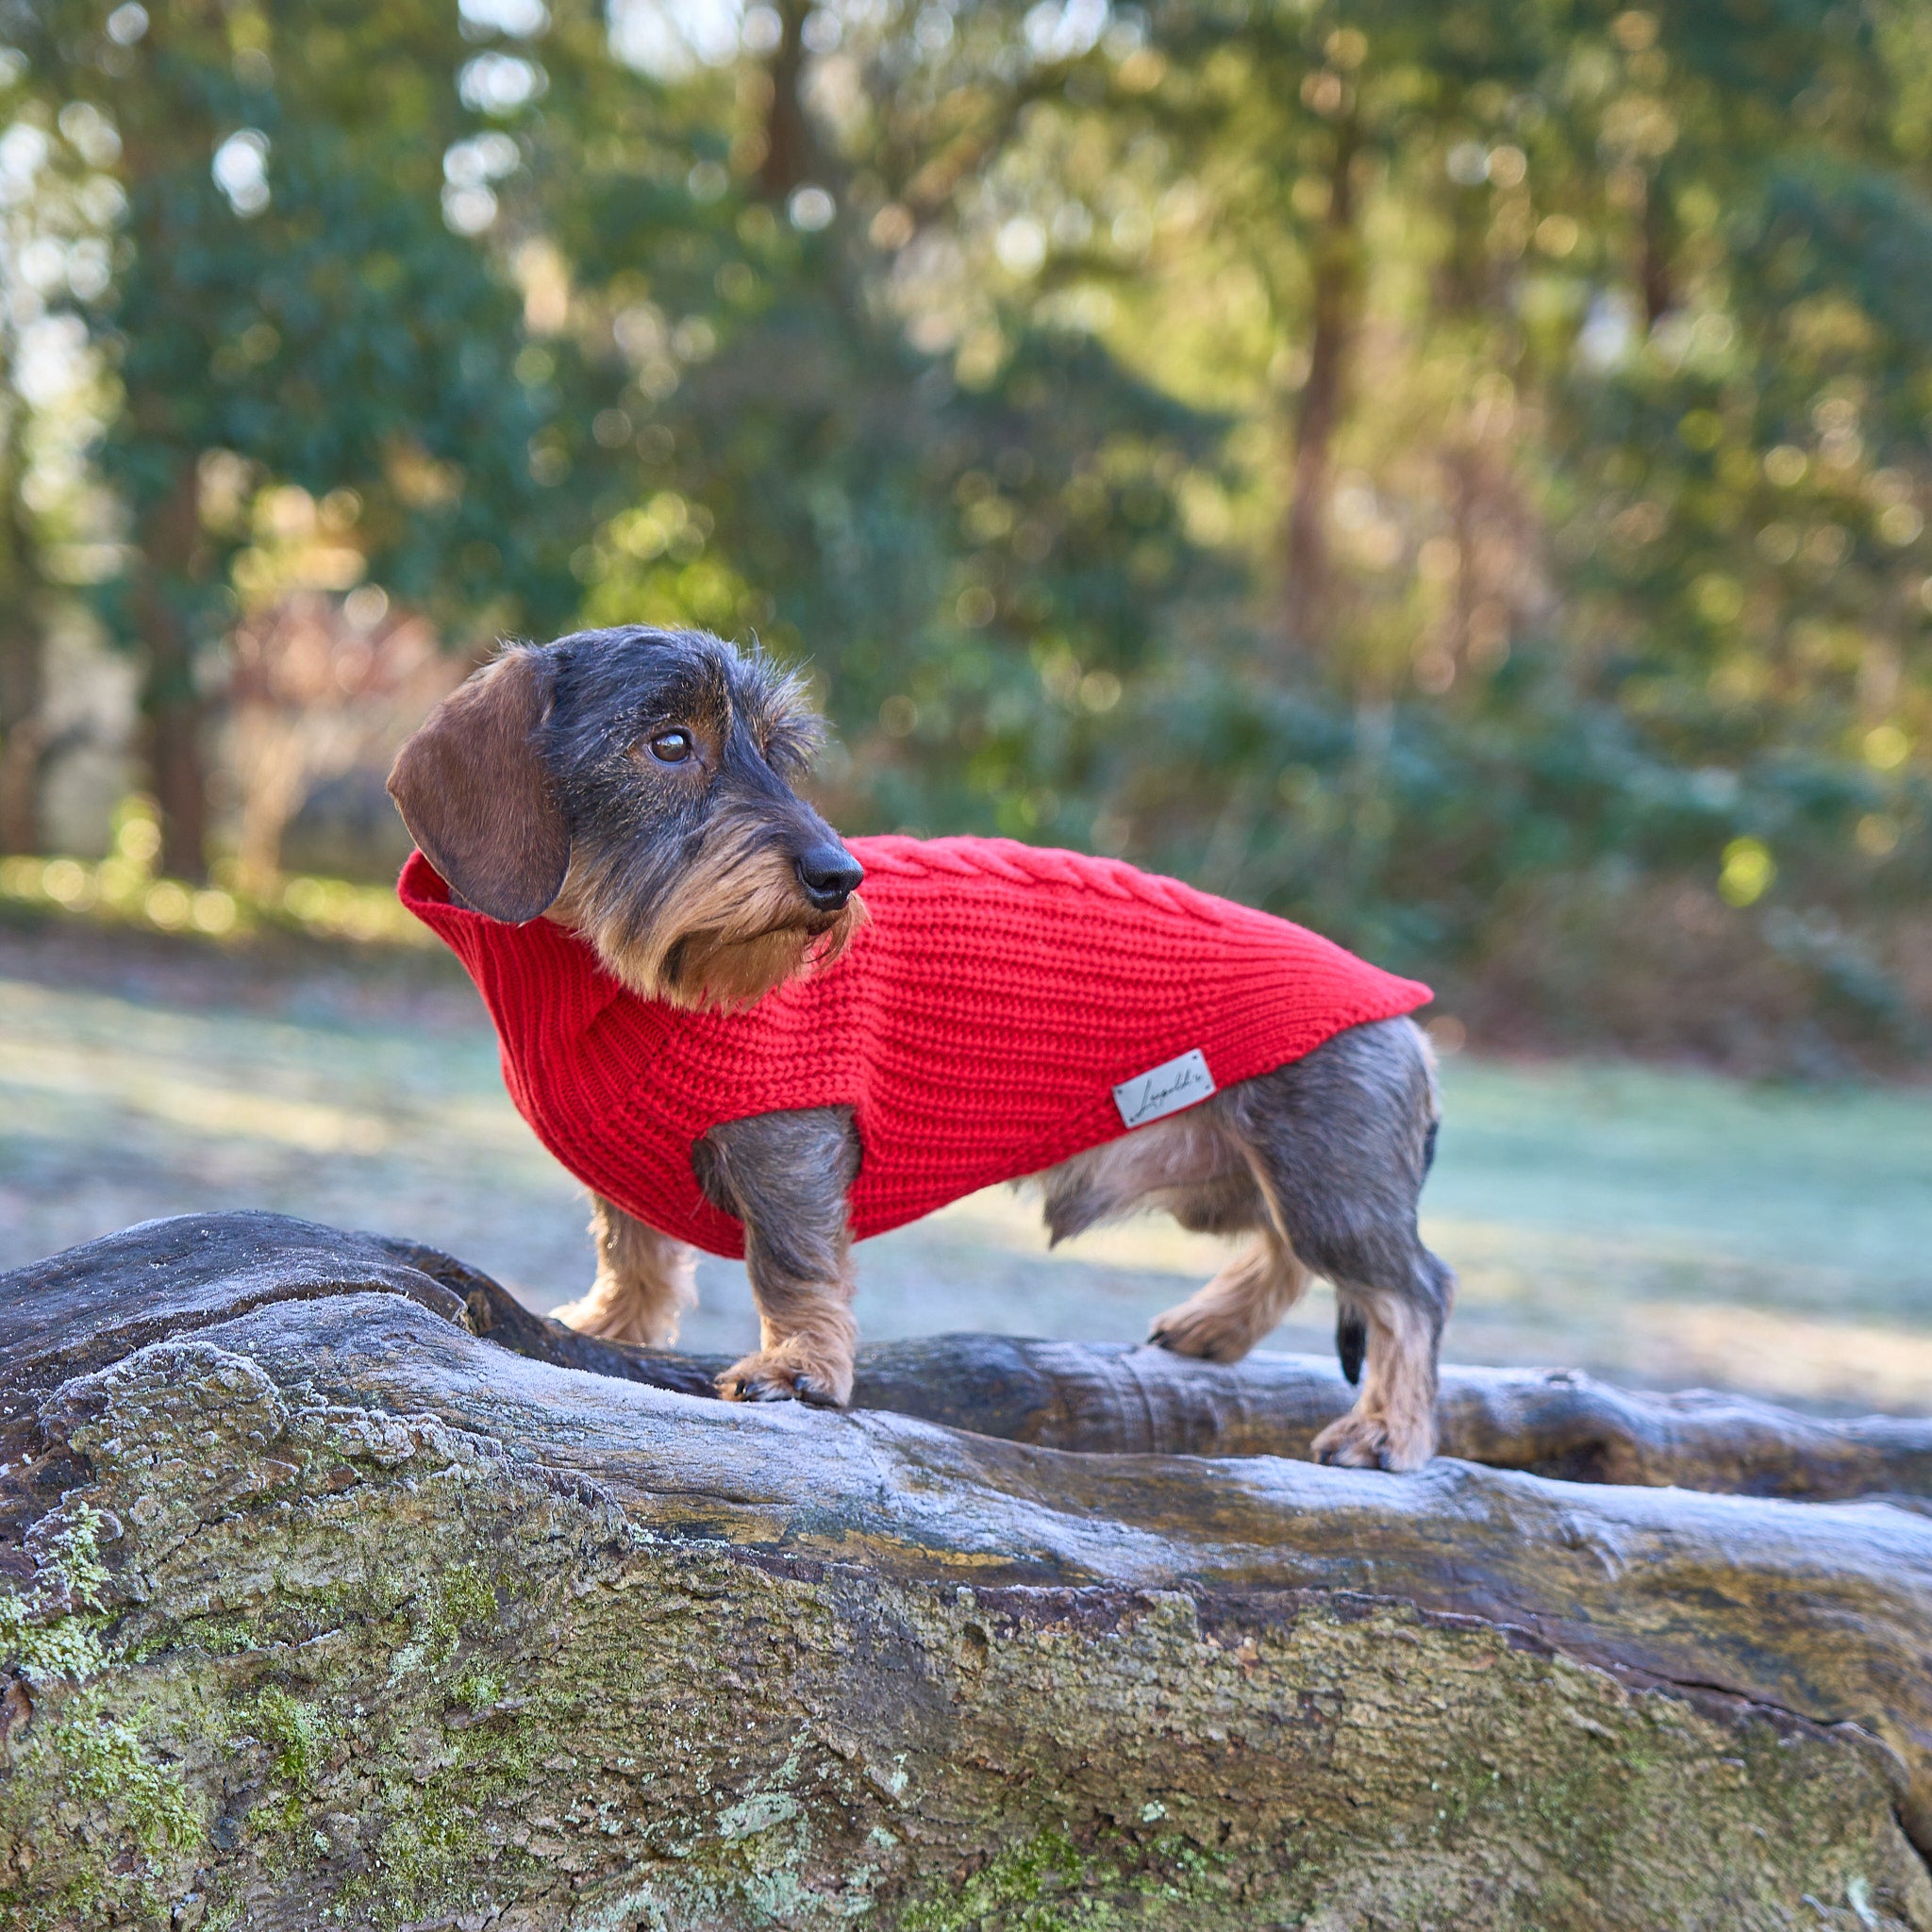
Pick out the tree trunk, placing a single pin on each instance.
(788, 156)
(1660, 289)
(171, 700)
(22, 730)
(1119, 1400)
(23, 658)
(1337, 268)
(316, 1607)
(269, 761)
(177, 765)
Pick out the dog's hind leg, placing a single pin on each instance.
(1222, 1322)
(1175, 1164)
(1344, 1138)
(1195, 1168)
(785, 1176)
(1392, 1424)
(645, 1281)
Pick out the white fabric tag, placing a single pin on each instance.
(1165, 1089)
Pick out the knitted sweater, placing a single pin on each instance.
(1004, 1009)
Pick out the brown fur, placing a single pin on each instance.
(809, 1339)
(645, 1281)
(477, 798)
(1162, 1165)
(1222, 1322)
(1392, 1424)
(732, 930)
(1248, 1297)
(1219, 1171)
(786, 1176)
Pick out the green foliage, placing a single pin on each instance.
(318, 323)
(1454, 474)
(345, 340)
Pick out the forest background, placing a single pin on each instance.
(1453, 474)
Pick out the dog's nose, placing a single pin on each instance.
(829, 875)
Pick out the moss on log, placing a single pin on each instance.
(319, 1610)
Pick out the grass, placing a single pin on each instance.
(122, 891)
(1656, 1225)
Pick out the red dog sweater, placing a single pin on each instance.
(1004, 1009)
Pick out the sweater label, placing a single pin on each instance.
(1165, 1089)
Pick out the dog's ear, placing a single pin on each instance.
(474, 790)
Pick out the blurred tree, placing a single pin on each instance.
(976, 533)
(1603, 279)
(1304, 154)
(294, 311)
(320, 686)
(1750, 571)
(1454, 473)
(23, 639)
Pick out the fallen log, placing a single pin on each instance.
(319, 1606)
(1112, 1399)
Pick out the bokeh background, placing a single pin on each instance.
(1453, 474)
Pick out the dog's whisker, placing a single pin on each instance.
(732, 928)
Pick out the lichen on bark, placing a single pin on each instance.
(343, 1618)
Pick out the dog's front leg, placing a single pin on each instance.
(785, 1176)
(645, 1281)
(807, 1333)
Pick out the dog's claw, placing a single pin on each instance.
(1197, 1335)
(1363, 1441)
(755, 1389)
(762, 1378)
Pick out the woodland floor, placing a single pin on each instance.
(1664, 1226)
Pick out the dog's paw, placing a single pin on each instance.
(1357, 1440)
(1205, 1329)
(788, 1373)
(609, 1315)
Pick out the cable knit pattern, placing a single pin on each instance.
(978, 1027)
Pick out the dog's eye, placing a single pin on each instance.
(671, 747)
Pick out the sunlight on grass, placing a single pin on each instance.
(122, 890)
(1840, 1363)
(161, 1094)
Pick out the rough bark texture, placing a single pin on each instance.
(1111, 1399)
(322, 1609)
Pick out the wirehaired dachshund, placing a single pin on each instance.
(639, 788)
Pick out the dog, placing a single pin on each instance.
(611, 835)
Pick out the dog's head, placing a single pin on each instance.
(637, 784)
